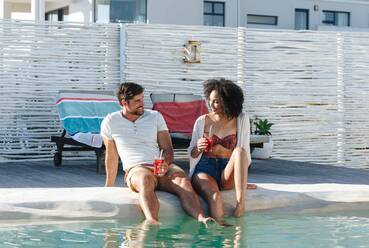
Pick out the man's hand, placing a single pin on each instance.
(111, 162)
(163, 168)
(165, 144)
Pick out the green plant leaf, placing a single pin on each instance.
(263, 127)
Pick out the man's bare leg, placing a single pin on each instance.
(144, 182)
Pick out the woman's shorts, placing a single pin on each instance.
(213, 167)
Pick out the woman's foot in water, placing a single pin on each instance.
(252, 186)
(240, 209)
(152, 222)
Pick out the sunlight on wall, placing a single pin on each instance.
(21, 16)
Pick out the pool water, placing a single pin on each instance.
(260, 229)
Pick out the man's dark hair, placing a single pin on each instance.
(128, 90)
(231, 95)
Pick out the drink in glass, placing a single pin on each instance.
(157, 163)
(209, 146)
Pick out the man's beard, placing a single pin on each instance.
(137, 112)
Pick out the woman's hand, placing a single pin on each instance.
(202, 144)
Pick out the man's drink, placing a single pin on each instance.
(157, 163)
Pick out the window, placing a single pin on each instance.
(214, 13)
(262, 19)
(120, 11)
(301, 19)
(57, 15)
(337, 18)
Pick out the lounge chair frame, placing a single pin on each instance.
(73, 145)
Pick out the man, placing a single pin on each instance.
(136, 136)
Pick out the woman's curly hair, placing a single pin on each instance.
(231, 95)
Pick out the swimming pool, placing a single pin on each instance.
(255, 229)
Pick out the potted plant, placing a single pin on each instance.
(262, 127)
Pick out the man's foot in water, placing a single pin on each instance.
(152, 222)
(224, 224)
(206, 220)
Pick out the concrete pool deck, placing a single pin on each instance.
(38, 190)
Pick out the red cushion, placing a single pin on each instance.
(181, 116)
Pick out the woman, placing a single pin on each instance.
(224, 165)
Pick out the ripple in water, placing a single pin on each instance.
(254, 230)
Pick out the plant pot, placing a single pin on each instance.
(265, 152)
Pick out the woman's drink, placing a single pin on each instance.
(209, 146)
(209, 140)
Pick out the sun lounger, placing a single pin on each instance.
(81, 114)
(180, 112)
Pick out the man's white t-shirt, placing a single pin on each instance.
(137, 142)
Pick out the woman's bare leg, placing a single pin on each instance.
(180, 185)
(235, 175)
(207, 187)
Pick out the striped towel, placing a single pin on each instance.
(83, 112)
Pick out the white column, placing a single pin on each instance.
(123, 51)
(2, 9)
(239, 14)
(38, 10)
(341, 128)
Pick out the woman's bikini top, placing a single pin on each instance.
(229, 141)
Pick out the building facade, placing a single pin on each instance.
(282, 14)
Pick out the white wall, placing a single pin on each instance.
(285, 10)
(359, 13)
(79, 10)
(231, 15)
(189, 12)
(5, 10)
(21, 11)
(21, 7)
(2, 7)
(49, 6)
(279, 8)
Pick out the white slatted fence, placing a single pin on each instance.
(291, 79)
(36, 61)
(312, 85)
(297, 79)
(154, 57)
